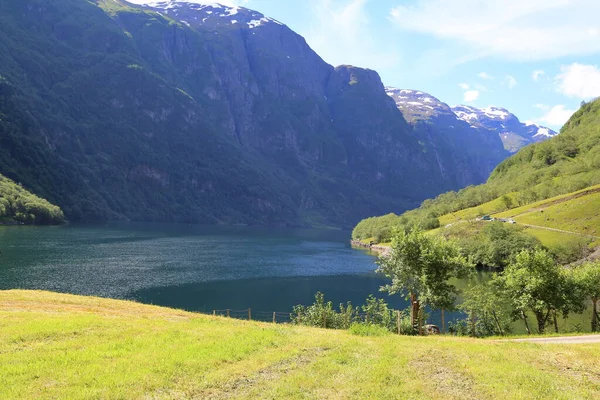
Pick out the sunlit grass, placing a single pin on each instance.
(62, 346)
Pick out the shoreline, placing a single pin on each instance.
(380, 250)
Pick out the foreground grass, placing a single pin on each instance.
(62, 346)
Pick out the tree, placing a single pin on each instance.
(486, 309)
(507, 201)
(534, 282)
(420, 267)
(588, 280)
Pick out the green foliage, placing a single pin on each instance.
(535, 283)
(491, 244)
(587, 278)
(375, 312)
(421, 266)
(322, 314)
(569, 251)
(19, 205)
(487, 311)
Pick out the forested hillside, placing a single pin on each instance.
(203, 113)
(17, 205)
(564, 164)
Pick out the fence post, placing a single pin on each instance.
(214, 312)
(228, 313)
(274, 317)
(249, 314)
(398, 323)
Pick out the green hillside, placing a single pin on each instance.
(114, 349)
(559, 176)
(17, 205)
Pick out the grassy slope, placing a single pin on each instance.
(63, 346)
(562, 165)
(575, 212)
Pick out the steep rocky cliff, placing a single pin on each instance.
(211, 114)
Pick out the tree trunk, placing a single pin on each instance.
(526, 323)
(555, 321)
(497, 323)
(541, 320)
(595, 315)
(414, 313)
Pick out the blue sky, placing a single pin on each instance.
(537, 58)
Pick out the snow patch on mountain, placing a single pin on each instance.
(514, 133)
(210, 14)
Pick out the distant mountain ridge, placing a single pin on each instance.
(417, 105)
(513, 132)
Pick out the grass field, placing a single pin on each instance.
(62, 346)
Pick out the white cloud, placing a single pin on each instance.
(520, 30)
(471, 95)
(557, 116)
(578, 80)
(537, 74)
(230, 3)
(541, 106)
(510, 81)
(342, 33)
(485, 75)
(464, 86)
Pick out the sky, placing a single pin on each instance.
(537, 58)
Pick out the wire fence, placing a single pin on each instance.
(255, 315)
(277, 317)
(439, 318)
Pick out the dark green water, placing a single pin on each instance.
(191, 267)
(197, 268)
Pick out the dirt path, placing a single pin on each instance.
(588, 339)
(560, 230)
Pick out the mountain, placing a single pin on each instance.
(177, 111)
(476, 151)
(565, 164)
(515, 134)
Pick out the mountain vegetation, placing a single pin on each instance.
(17, 205)
(204, 113)
(566, 164)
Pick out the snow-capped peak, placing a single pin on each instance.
(415, 104)
(545, 132)
(196, 13)
(495, 112)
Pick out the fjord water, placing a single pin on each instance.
(192, 267)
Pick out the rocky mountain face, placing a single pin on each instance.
(514, 133)
(476, 151)
(177, 111)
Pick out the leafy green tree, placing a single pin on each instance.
(420, 267)
(486, 309)
(535, 283)
(588, 280)
(378, 313)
